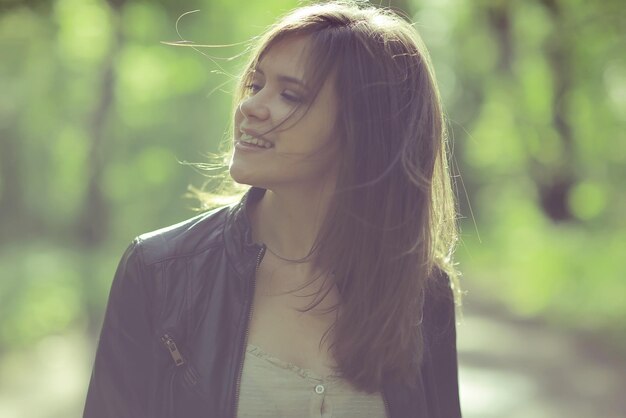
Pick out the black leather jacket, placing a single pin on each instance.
(173, 338)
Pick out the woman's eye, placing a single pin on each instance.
(291, 97)
(253, 87)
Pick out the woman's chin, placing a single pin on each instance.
(243, 175)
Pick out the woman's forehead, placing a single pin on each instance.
(287, 56)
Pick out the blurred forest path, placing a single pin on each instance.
(508, 368)
(519, 368)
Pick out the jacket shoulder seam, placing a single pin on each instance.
(214, 242)
(185, 255)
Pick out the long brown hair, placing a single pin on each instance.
(391, 226)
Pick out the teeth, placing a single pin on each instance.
(256, 141)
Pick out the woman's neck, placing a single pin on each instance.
(288, 221)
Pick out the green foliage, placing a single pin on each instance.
(538, 121)
(45, 289)
(96, 113)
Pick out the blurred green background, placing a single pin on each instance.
(96, 115)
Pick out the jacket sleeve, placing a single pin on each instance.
(122, 380)
(441, 362)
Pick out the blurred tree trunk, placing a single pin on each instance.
(94, 221)
(11, 189)
(499, 17)
(554, 181)
(554, 187)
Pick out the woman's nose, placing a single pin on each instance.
(253, 107)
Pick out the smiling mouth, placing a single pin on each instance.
(253, 141)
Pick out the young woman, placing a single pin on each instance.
(328, 289)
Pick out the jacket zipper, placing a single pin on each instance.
(245, 340)
(170, 344)
(387, 411)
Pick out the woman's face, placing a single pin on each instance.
(304, 149)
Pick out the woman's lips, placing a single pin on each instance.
(245, 146)
(254, 139)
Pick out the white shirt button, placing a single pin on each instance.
(319, 389)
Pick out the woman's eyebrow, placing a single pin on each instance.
(285, 78)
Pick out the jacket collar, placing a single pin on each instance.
(240, 248)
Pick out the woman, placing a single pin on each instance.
(325, 291)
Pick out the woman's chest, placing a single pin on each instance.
(279, 328)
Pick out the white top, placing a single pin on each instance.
(273, 388)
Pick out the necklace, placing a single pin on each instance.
(297, 260)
